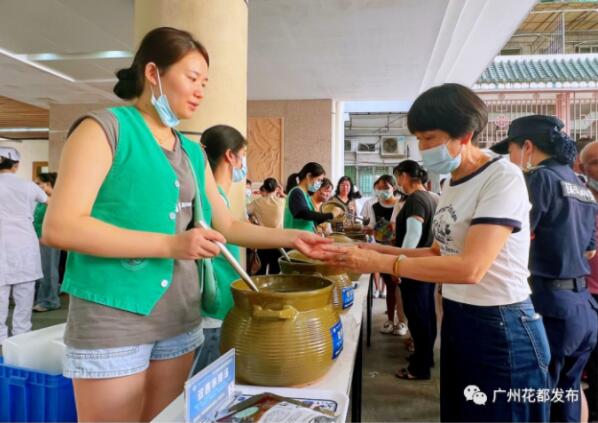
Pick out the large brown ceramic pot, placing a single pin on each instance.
(286, 334)
(342, 293)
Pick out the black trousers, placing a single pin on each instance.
(419, 306)
(269, 261)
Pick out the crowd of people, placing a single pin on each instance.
(509, 245)
(500, 332)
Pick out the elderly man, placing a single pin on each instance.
(588, 159)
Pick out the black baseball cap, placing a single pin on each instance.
(534, 128)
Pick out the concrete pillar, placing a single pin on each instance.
(222, 27)
(563, 109)
(337, 156)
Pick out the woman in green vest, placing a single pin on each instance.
(126, 205)
(226, 149)
(299, 211)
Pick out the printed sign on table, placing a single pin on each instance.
(210, 390)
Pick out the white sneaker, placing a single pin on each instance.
(400, 329)
(376, 293)
(388, 327)
(382, 294)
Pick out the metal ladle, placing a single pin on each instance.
(284, 254)
(232, 261)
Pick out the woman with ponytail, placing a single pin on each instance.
(292, 182)
(414, 230)
(562, 223)
(127, 206)
(299, 211)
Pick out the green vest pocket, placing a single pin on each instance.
(134, 264)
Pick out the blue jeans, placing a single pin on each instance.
(486, 352)
(47, 290)
(209, 351)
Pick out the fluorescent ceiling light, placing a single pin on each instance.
(36, 65)
(108, 54)
(28, 129)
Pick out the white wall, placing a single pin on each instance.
(31, 151)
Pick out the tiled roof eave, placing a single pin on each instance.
(537, 86)
(563, 70)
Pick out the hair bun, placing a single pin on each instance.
(127, 74)
(126, 87)
(565, 149)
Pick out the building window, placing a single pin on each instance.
(512, 51)
(586, 49)
(365, 176)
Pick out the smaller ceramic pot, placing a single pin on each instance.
(342, 293)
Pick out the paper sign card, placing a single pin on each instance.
(210, 390)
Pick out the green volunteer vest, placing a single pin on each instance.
(225, 274)
(38, 218)
(141, 193)
(291, 222)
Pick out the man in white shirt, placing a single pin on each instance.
(20, 262)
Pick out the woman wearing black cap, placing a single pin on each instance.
(562, 224)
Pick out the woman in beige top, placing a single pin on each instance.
(269, 212)
(345, 195)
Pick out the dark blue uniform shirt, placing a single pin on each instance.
(562, 222)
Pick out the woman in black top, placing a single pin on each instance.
(414, 230)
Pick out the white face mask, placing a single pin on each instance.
(528, 165)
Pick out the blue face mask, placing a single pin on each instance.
(384, 195)
(240, 174)
(162, 107)
(439, 160)
(593, 184)
(315, 186)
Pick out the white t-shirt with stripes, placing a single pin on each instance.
(494, 194)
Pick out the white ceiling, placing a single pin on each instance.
(298, 49)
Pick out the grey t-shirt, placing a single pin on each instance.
(92, 326)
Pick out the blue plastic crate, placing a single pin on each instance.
(31, 396)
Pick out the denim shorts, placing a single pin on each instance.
(124, 361)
